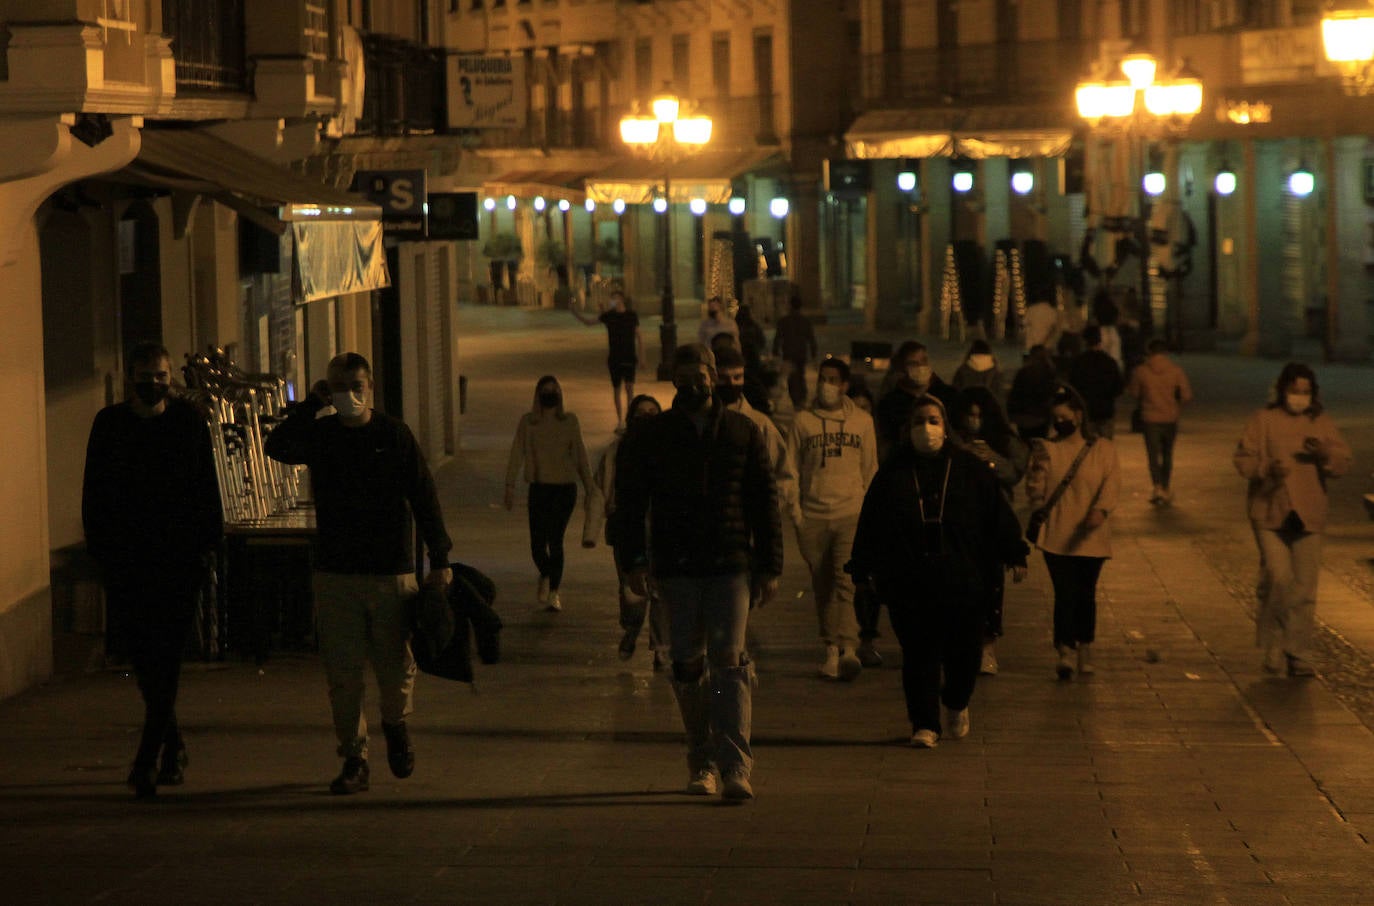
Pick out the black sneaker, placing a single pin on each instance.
(400, 757)
(143, 781)
(172, 771)
(627, 644)
(353, 779)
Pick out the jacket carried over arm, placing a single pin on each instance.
(1276, 435)
(1095, 486)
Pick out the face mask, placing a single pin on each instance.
(975, 425)
(828, 395)
(1297, 403)
(927, 438)
(921, 374)
(351, 404)
(729, 393)
(549, 399)
(150, 393)
(1065, 427)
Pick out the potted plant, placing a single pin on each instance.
(553, 254)
(504, 252)
(607, 254)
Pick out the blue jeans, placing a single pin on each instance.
(707, 616)
(1159, 450)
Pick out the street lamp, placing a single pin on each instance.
(667, 137)
(1348, 41)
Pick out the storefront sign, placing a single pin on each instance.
(486, 92)
(453, 215)
(1243, 113)
(403, 199)
(1272, 55)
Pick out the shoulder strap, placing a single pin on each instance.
(1068, 476)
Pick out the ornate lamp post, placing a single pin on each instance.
(1130, 113)
(1348, 41)
(666, 137)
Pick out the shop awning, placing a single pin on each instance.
(337, 236)
(975, 132)
(708, 175)
(552, 184)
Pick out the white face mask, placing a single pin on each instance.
(1297, 403)
(927, 438)
(921, 374)
(351, 404)
(828, 395)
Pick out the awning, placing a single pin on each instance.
(336, 235)
(975, 132)
(552, 184)
(708, 176)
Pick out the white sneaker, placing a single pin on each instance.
(956, 722)
(703, 783)
(555, 603)
(1274, 659)
(830, 667)
(1064, 667)
(989, 665)
(737, 787)
(543, 593)
(924, 739)
(1085, 659)
(849, 664)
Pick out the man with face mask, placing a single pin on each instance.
(916, 378)
(717, 321)
(835, 447)
(369, 476)
(732, 389)
(151, 510)
(700, 474)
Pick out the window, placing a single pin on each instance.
(644, 68)
(682, 64)
(720, 63)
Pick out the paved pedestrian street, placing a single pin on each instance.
(1179, 773)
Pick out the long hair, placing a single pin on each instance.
(1066, 395)
(536, 410)
(997, 430)
(1288, 377)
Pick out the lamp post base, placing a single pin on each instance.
(667, 337)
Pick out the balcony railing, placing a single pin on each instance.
(208, 44)
(404, 90)
(1027, 70)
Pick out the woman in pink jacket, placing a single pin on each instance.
(1288, 451)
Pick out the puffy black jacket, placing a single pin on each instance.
(709, 496)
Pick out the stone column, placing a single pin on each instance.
(884, 303)
(1347, 242)
(804, 239)
(1272, 321)
(936, 232)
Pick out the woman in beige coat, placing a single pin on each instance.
(1288, 451)
(1076, 537)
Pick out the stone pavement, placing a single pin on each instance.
(1178, 774)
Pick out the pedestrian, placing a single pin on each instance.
(1097, 378)
(746, 384)
(633, 607)
(732, 386)
(1042, 325)
(369, 477)
(929, 516)
(150, 508)
(916, 379)
(981, 428)
(1287, 452)
(1106, 314)
(1028, 401)
(548, 449)
(835, 446)
(794, 341)
(867, 608)
(717, 321)
(752, 341)
(700, 475)
(626, 348)
(1161, 387)
(979, 369)
(1072, 484)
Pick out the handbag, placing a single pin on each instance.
(1038, 516)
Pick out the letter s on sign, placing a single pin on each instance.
(402, 195)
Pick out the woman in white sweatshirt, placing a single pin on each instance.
(548, 448)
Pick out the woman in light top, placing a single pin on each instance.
(548, 448)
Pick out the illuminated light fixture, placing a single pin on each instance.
(564, 205)
(1022, 182)
(1154, 183)
(906, 181)
(737, 206)
(590, 205)
(638, 130)
(697, 206)
(1301, 182)
(618, 206)
(1139, 69)
(779, 207)
(489, 203)
(539, 203)
(660, 205)
(510, 202)
(692, 130)
(1348, 42)
(963, 181)
(665, 106)
(1225, 183)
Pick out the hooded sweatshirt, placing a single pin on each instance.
(1161, 386)
(836, 455)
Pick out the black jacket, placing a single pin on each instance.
(709, 497)
(1096, 377)
(904, 556)
(894, 410)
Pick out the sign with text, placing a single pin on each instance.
(403, 198)
(453, 215)
(486, 91)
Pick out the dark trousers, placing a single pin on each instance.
(867, 609)
(994, 591)
(1075, 597)
(932, 642)
(1159, 450)
(796, 383)
(550, 508)
(152, 614)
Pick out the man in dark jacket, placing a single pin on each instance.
(795, 341)
(701, 475)
(151, 511)
(1096, 377)
(369, 476)
(916, 379)
(1028, 401)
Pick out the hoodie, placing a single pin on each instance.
(1161, 387)
(836, 456)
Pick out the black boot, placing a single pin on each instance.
(353, 779)
(143, 781)
(400, 757)
(174, 760)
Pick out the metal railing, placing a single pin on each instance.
(207, 43)
(404, 92)
(1025, 70)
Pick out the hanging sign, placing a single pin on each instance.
(486, 91)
